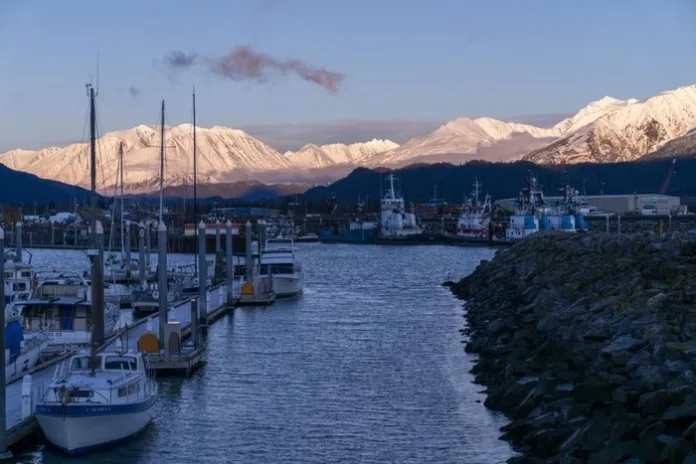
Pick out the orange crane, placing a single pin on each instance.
(668, 179)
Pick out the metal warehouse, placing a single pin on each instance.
(619, 204)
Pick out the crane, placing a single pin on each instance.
(668, 179)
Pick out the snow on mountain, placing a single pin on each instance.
(625, 133)
(222, 153)
(313, 156)
(463, 136)
(591, 113)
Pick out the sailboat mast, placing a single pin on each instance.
(120, 169)
(161, 202)
(93, 163)
(195, 183)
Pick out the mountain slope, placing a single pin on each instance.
(313, 156)
(681, 147)
(625, 133)
(21, 188)
(246, 190)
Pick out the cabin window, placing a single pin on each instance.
(77, 393)
(277, 268)
(8, 275)
(26, 273)
(121, 362)
(80, 364)
(19, 286)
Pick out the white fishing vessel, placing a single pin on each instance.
(21, 353)
(396, 222)
(97, 400)
(61, 308)
(475, 216)
(278, 259)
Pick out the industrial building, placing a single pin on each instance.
(619, 204)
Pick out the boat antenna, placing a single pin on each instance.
(120, 169)
(195, 182)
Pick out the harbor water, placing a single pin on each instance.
(367, 366)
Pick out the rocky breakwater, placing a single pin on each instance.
(588, 343)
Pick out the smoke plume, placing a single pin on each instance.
(242, 63)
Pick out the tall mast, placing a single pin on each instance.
(195, 183)
(93, 162)
(120, 169)
(161, 205)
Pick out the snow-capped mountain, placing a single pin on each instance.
(313, 156)
(626, 132)
(463, 136)
(223, 154)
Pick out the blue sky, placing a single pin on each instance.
(408, 59)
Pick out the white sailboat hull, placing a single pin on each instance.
(84, 430)
(287, 284)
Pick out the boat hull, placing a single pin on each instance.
(287, 285)
(81, 429)
(348, 236)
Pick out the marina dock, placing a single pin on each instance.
(23, 393)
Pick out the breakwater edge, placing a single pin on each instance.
(587, 343)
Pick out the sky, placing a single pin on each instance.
(404, 60)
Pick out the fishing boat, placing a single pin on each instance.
(396, 224)
(359, 230)
(524, 221)
(96, 401)
(475, 216)
(146, 298)
(278, 259)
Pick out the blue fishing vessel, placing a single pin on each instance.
(357, 231)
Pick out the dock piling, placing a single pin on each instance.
(218, 248)
(128, 248)
(249, 258)
(162, 279)
(194, 322)
(230, 264)
(18, 241)
(202, 273)
(141, 253)
(148, 242)
(98, 287)
(3, 403)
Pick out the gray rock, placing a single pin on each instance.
(623, 343)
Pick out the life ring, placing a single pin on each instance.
(155, 294)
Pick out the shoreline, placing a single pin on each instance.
(588, 344)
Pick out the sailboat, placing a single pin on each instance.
(191, 283)
(97, 399)
(146, 297)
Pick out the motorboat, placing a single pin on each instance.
(279, 260)
(97, 400)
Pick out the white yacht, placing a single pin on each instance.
(97, 401)
(61, 308)
(278, 259)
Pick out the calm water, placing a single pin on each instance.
(367, 366)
